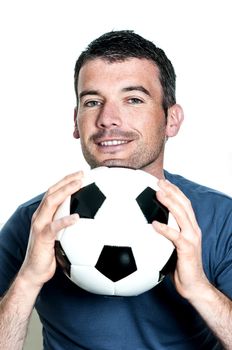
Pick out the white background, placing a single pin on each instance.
(40, 41)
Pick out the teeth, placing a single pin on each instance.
(112, 143)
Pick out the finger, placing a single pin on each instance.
(177, 203)
(182, 199)
(183, 244)
(166, 231)
(57, 225)
(77, 176)
(45, 212)
(67, 179)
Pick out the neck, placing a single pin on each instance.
(155, 170)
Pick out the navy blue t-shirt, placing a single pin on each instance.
(158, 319)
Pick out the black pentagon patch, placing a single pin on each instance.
(62, 259)
(87, 201)
(152, 209)
(116, 262)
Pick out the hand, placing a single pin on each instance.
(189, 277)
(40, 263)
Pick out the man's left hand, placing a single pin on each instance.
(189, 276)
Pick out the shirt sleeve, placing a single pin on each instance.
(223, 268)
(13, 244)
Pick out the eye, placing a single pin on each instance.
(92, 103)
(135, 100)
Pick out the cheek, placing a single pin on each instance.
(83, 127)
(150, 126)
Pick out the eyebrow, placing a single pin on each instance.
(88, 92)
(137, 88)
(125, 89)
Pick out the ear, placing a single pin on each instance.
(175, 118)
(76, 134)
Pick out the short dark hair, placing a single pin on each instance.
(121, 45)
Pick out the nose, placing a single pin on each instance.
(109, 116)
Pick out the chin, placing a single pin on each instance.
(112, 163)
(118, 163)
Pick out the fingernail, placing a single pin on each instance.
(157, 225)
(75, 217)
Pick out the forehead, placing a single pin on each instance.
(101, 72)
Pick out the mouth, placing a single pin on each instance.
(112, 146)
(110, 143)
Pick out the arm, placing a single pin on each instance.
(15, 310)
(216, 309)
(189, 277)
(39, 264)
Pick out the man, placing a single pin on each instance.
(126, 110)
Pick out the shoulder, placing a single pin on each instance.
(213, 209)
(32, 204)
(19, 223)
(25, 211)
(200, 194)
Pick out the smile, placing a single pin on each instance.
(112, 142)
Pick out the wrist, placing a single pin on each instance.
(35, 276)
(204, 294)
(19, 299)
(26, 283)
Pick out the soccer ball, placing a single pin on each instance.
(113, 249)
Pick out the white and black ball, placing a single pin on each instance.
(113, 249)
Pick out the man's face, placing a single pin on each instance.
(120, 117)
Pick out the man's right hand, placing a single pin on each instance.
(40, 263)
